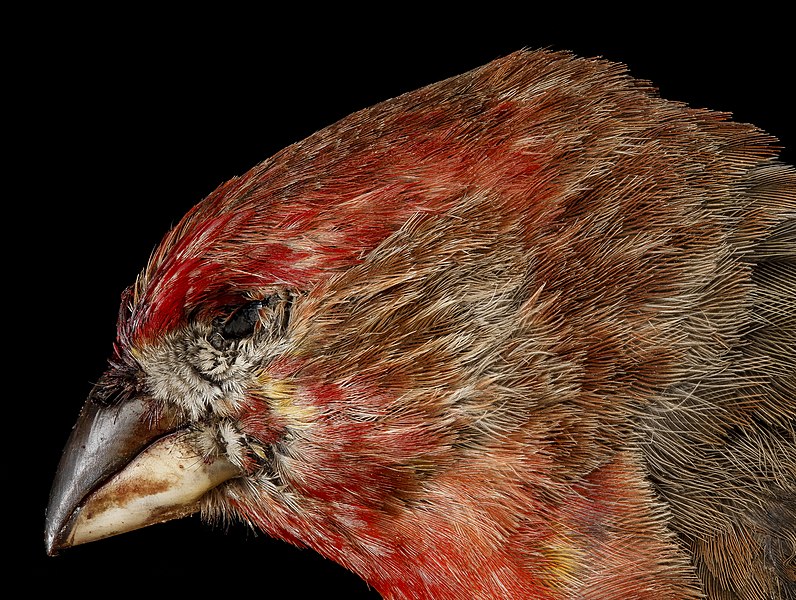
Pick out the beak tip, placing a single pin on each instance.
(50, 548)
(51, 543)
(56, 534)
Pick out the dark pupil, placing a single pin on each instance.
(241, 323)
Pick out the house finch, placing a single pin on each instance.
(525, 333)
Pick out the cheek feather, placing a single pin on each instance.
(185, 371)
(181, 386)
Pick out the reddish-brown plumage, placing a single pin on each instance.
(525, 333)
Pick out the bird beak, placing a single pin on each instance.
(119, 473)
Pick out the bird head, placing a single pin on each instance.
(419, 341)
(309, 347)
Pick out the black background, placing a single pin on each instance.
(121, 124)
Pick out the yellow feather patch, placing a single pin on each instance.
(281, 395)
(563, 560)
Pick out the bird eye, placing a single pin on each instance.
(271, 313)
(241, 323)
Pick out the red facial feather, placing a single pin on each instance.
(328, 205)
